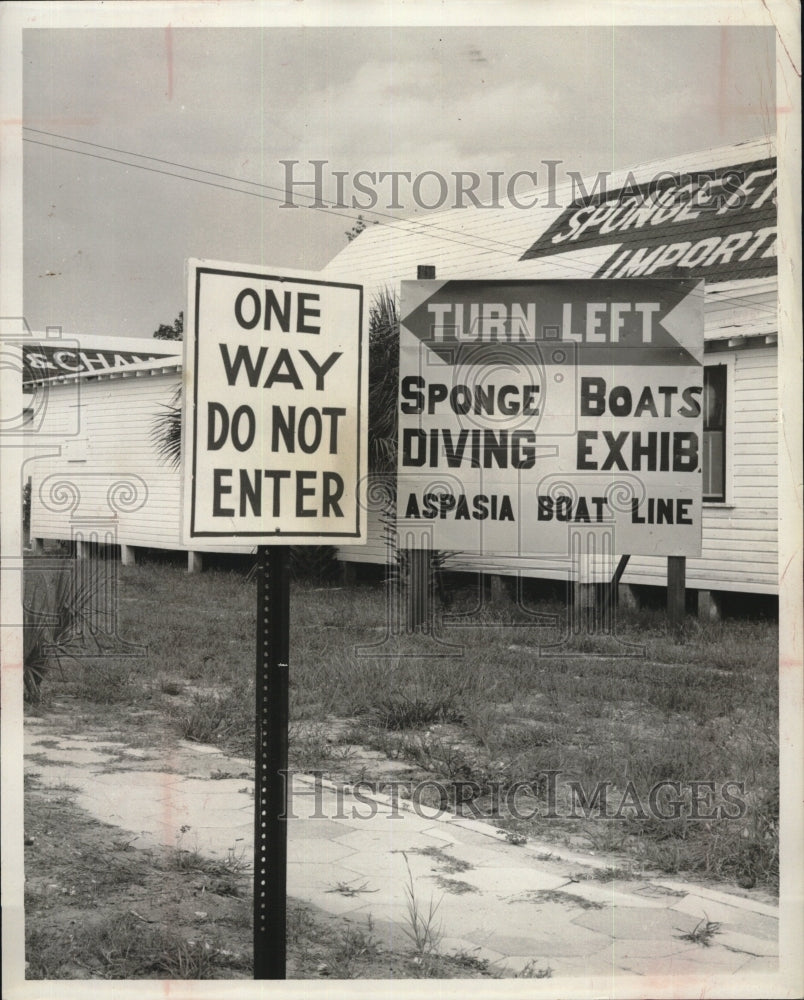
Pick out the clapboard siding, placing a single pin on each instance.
(116, 419)
(740, 537)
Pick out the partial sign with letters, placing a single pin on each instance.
(275, 414)
(526, 407)
(48, 356)
(717, 224)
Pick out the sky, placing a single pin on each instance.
(105, 242)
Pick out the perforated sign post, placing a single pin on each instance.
(274, 432)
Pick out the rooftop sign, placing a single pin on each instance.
(51, 357)
(718, 224)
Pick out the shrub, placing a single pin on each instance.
(55, 604)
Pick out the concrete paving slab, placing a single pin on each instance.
(759, 925)
(678, 966)
(564, 901)
(478, 855)
(79, 757)
(748, 944)
(378, 910)
(541, 941)
(637, 923)
(734, 917)
(382, 840)
(393, 867)
(80, 742)
(135, 753)
(509, 882)
(620, 894)
(579, 968)
(759, 966)
(460, 946)
(200, 748)
(752, 905)
(52, 774)
(651, 890)
(316, 829)
(647, 947)
(356, 865)
(302, 876)
(438, 831)
(339, 905)
(318, 851)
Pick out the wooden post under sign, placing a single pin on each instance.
(419, 605)
(676, 588)
(419, 609)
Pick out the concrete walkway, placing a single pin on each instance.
(354, 855)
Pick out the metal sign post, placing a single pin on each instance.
(274, 451)
(271, 761)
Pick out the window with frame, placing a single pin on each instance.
(714, 434)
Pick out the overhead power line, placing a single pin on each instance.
(334, 207)
(427, 228)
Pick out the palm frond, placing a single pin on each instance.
(166, 430)
(382, 397)
(58, 620)
(383, 381)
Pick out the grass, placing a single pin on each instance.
(98, 907)
(54, 603)
(190, 860)
(128, 948)
(699, 704)
(422, 928)
(322, 947)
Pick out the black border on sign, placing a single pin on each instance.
(277, 536)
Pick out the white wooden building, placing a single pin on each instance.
(107, 415)
(108, 483)
(730, 245)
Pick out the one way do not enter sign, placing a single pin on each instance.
(275, 376)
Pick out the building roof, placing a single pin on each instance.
(580, 230)
(144, 369)
(507, 241)
(52, 353)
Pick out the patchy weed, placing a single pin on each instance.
(703, 932)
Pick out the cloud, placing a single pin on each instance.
(411, 116)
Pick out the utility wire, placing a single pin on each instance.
(395, 222)
(254, 194)
(241, 180)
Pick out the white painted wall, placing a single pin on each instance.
(108, 422)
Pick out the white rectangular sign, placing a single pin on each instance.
(274, 421)
(528, 409)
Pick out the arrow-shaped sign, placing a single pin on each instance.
(624, 322)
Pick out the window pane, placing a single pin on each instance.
(714, 465)
(715, 397)
(714, 438)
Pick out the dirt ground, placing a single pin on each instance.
(99, 907)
